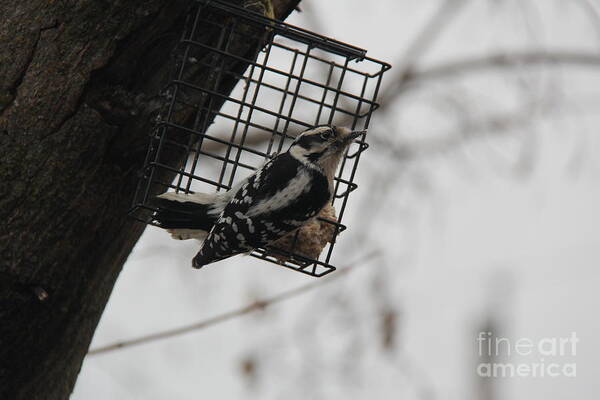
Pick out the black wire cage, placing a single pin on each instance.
(257, 83)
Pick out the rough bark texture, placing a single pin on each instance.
(78, 85)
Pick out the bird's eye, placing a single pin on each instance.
(326, 135)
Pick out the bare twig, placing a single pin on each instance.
(493, 61)
(507, 60)
(254, 306)
(423, 41)
(404, 70)
(496, 125)
(491, 126)
(464, 66)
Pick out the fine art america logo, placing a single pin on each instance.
(545, 357)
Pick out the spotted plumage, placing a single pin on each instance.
(280, 199)
(277, 199)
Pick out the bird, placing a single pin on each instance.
(288, 191)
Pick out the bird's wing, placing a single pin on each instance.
(275, 200)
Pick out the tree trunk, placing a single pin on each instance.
(78, 87)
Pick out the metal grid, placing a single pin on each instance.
(288, 79)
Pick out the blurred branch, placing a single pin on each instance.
(468, 65)
(464, 66)
(508, 60)
(422, 42)
(252, 140)
(493, 61)
(408, 75)
(490, 126)
(254, 306)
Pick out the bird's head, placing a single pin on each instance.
(323, 146)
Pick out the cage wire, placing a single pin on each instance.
(281, 80)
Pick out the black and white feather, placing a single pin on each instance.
(281, 196)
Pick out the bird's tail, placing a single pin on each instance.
(207, 257)
(187, 216)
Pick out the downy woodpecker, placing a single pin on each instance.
(278, 198)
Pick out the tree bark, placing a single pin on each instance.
(78, 87)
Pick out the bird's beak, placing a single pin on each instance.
(347, 136)
(355, 134)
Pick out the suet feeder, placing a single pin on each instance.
(243, 86)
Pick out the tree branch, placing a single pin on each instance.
(495, 125)
(422, 42)
(505, 60)
(226, 316)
